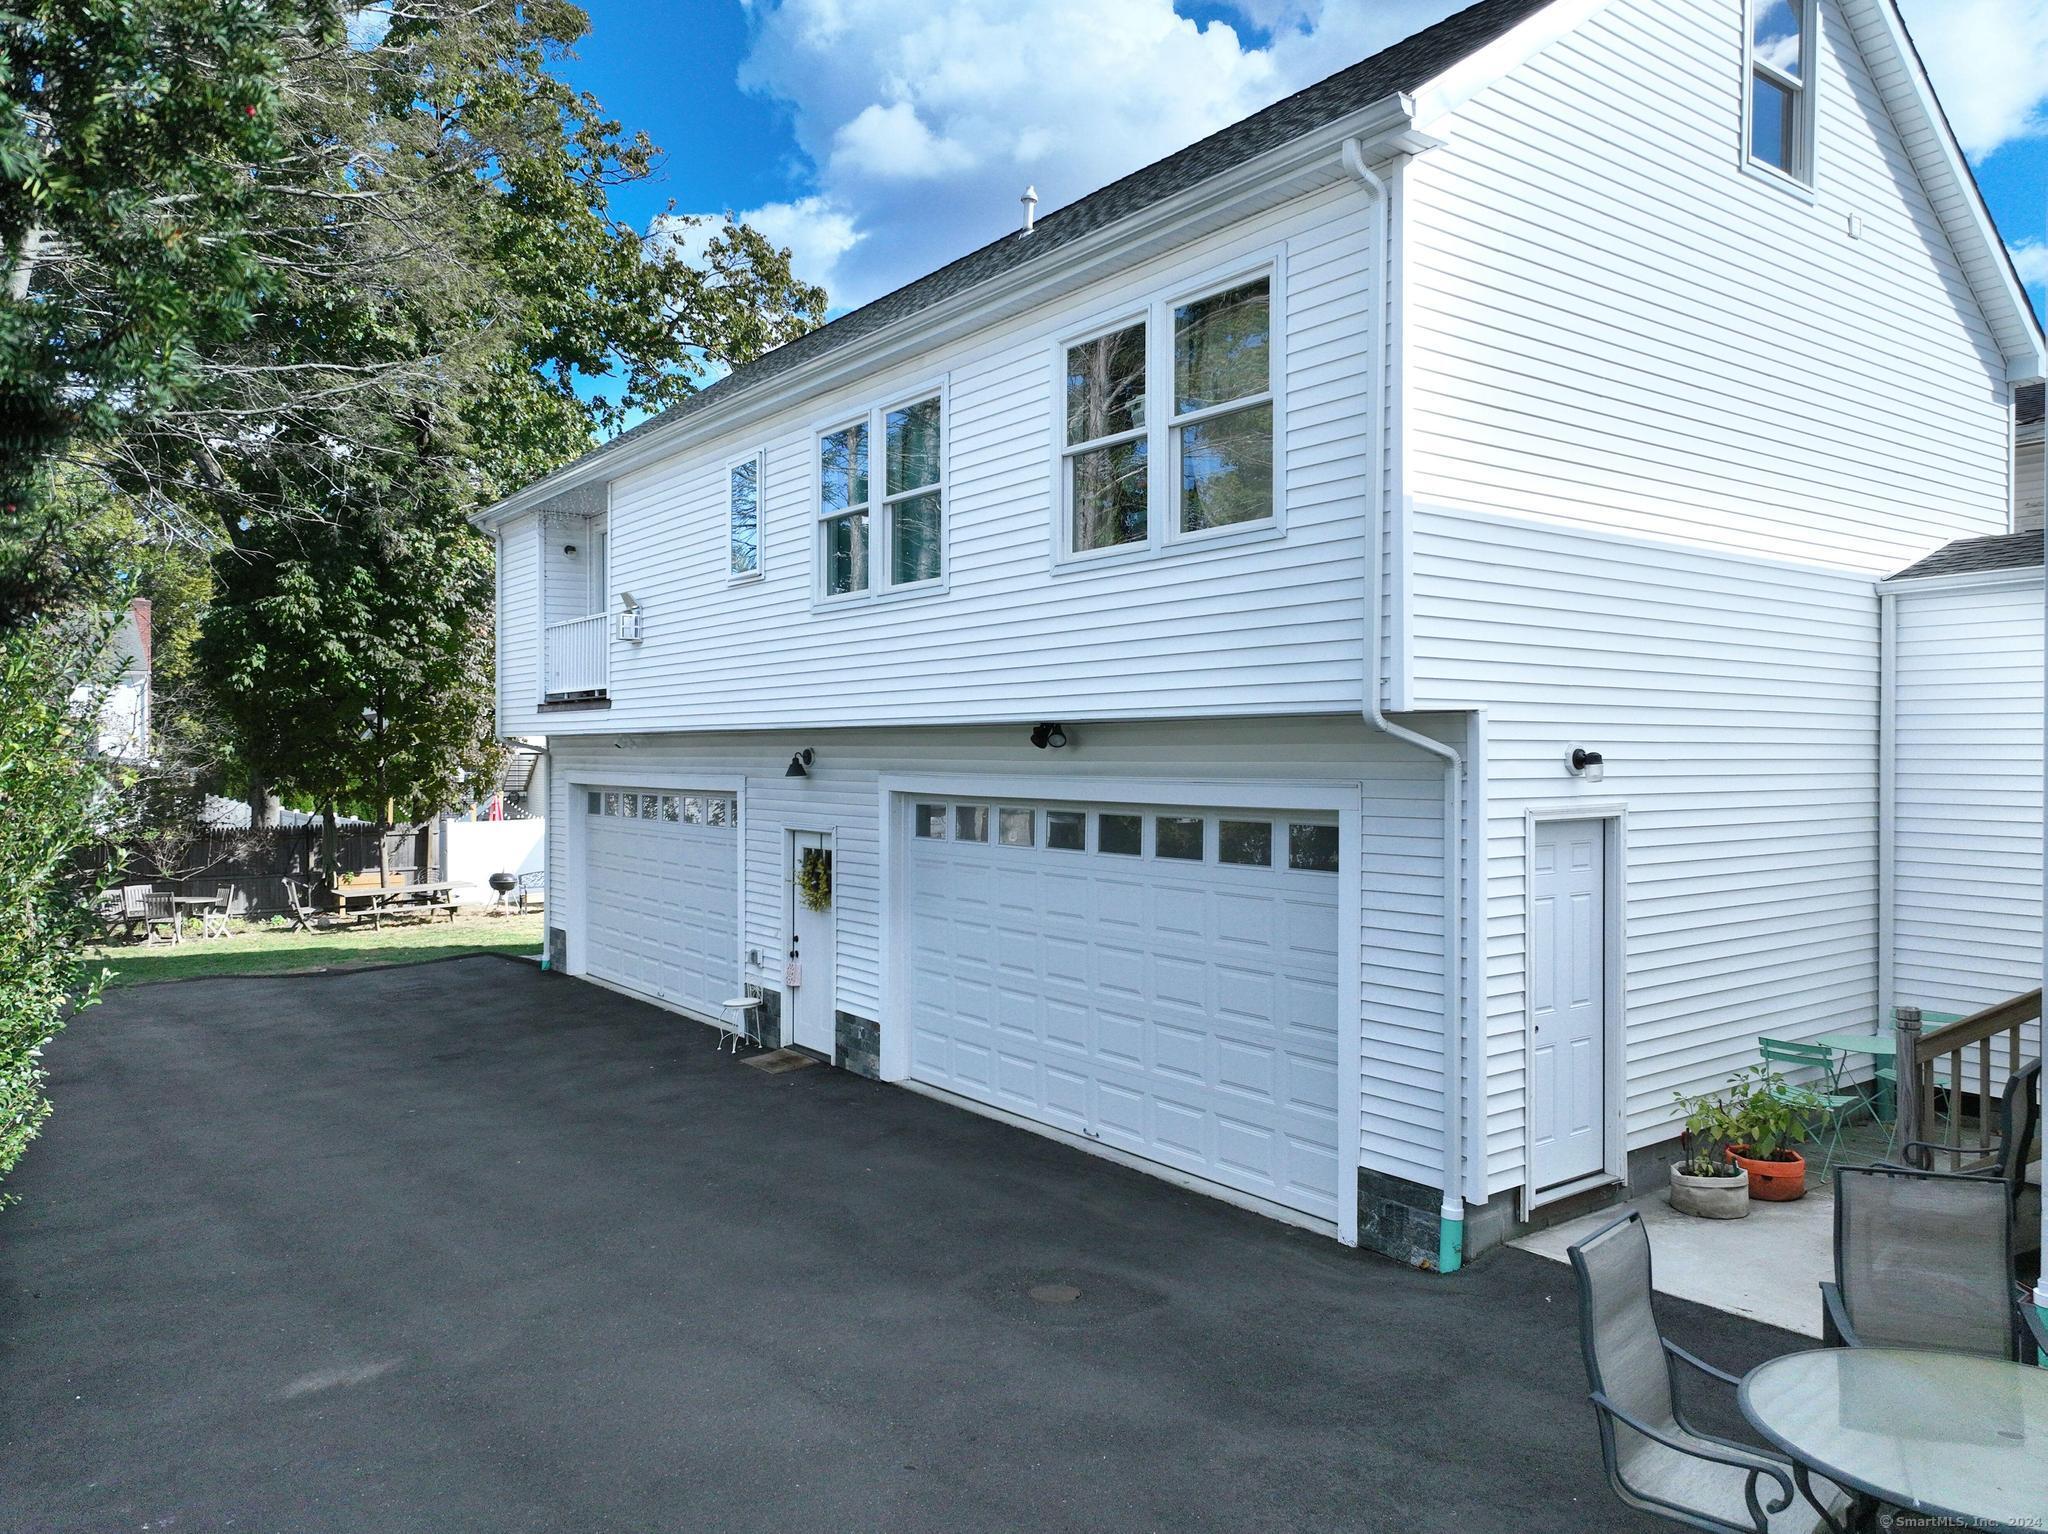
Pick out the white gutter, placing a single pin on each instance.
(1451, 1238)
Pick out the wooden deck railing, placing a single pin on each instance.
(1920, 1059)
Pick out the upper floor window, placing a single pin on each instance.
(1781, 98)
(887, 536)
(743, 517)
(1211, 430)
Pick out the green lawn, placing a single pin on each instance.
(264, 952)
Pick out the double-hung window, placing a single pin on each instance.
(1169, 422)
(886, 536)
(1781, 44)
(743, 518)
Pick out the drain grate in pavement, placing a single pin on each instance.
(776, 1061)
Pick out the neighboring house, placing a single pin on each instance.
(1342, 669)
(123, 729)
(2027, 467)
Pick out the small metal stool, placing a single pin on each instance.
(743, 1008)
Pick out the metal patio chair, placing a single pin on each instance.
(1657, 1461)
(1924, 1260)
(2016, 1158)
(1825, 1108)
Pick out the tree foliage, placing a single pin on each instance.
(124, 199)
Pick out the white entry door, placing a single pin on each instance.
(1568, 1001)
(1162, 981)
(661, 895)
(811, 1020)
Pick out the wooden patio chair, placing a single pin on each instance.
(160, 910)
(126, 910)
(298, 897)
(213, 919)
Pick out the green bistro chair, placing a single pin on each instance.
(1825, 1108)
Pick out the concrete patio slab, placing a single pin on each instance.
(1766, 1268)
(464, 1246)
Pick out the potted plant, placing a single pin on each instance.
(1705, 1181)
(1771, 1118)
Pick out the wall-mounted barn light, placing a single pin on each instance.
(1048, 736)
(799, 764)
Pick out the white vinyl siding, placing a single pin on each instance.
(1621, 332)
(1735, 702)
(1264, 626)
(1399, 858)
(1967, 805)
(518, 660)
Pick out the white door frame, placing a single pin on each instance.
(790, 832)
(1613, 816)
(1345, 798)
(667, 781)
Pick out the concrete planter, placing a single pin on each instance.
(1711, 1198)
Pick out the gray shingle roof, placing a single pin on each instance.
(1408, 65)
(1978, 556)
(2029, 403)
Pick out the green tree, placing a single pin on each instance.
(124, 195)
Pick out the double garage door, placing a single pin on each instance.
(661, 893)
(1162, 981)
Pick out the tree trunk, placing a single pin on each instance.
(264, 806)
(330, 846)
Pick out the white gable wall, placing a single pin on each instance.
(1626, 331)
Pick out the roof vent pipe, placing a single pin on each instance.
(1030, 201)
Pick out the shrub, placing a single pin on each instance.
(58, 799)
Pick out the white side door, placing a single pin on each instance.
(812, 1023)
(1568, 1001)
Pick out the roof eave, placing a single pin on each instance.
(1299, 166)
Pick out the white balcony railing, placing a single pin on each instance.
(577, 657)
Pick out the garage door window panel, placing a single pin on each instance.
(1120, 835)
(1177, 837)
(970, 822)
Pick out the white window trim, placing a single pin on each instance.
(1163, 532)
(875, 418)
(759, 458)
(1804, 176)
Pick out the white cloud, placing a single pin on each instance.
(2031, 257)
(1989, 63)
(924, 125)
(814, 232)
(366, 25)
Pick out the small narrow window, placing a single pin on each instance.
(671, 808)
(970, 822)
(611, 804)
(650, 806)
(693, 811)
(596, 805)
(931, 822)
(1120, 835)
(1249, 842)
(1106, 450)
(843, 504)
(1177, 836)
(743, 517)
(1223, 407)
(1312, 849)
(1066, 830)
(1781, 109)
(717, 811)
(1017, 828)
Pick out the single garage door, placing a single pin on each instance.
(661, 895)
(1163, 981)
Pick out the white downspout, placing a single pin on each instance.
(1451, 1237)
(1887, 802)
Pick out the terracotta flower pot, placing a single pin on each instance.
(1777, 1182)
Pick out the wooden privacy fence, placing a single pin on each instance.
(253, 865)
(1969, 1056)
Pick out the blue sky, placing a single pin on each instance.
(879, 140)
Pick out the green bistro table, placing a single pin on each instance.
(1884, 1049)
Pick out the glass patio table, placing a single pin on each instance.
(1945, 1434)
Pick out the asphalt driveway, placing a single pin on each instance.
(462, 1246)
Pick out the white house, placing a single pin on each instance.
(120, 697)
(1341, 669)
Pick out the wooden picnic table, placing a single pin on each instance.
(375, 901)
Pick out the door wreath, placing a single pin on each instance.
(814, 879)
